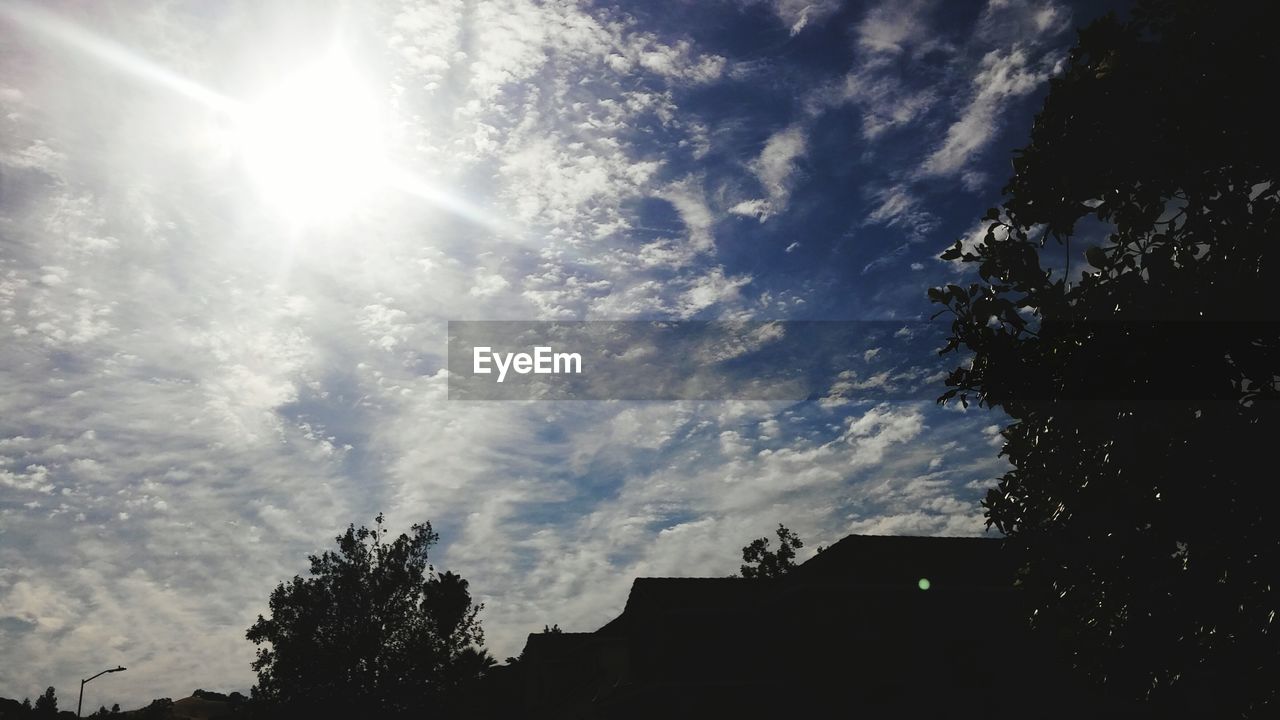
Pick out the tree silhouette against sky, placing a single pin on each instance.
(1142, 391)
(374, 632)
(762, 563)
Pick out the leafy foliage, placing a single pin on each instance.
(1143, 396)
(375, 631)
(762, 563)
(47, 704)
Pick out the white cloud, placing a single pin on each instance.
(775, 168)
(796, 15)
(887, 103)
(1022, 21)
(898, 207)
(758, 208)
(894, 27)
(711, 289)
(690, 201)
(36, 156)
(679, 61)
(197, 391)
(1003, 75)
(428, 38)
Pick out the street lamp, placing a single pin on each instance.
(82, 682)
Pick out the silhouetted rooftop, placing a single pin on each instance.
(851, 628)
(893, 560)
(553, 645)
(652, 597)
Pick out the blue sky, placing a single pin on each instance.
(232, 234)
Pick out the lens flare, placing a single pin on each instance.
(314, 143)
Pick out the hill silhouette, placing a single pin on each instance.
(200, 705)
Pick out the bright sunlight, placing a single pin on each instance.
(314, 142)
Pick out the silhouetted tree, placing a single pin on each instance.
(760, 562)
(47, 704)
(159, 709)
(1143, 396)
(374, 631)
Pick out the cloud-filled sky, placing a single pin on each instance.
(232, 235)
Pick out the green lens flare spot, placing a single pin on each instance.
(923, 584)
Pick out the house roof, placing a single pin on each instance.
(553, 645)
(664, 596)
(866, 561)
(849, 628)
(903, 560)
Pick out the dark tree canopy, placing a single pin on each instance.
(374, 632)
(158, 709)
(763, 563)
(1143, 394)
(47, 704)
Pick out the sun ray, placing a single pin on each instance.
(410, 184)
(115, 55)
(313, 142)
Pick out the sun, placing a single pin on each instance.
(314, 142)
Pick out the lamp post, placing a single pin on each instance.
(82, 682)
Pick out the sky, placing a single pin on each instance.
(232, 235)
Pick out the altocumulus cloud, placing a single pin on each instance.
(198, 390)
